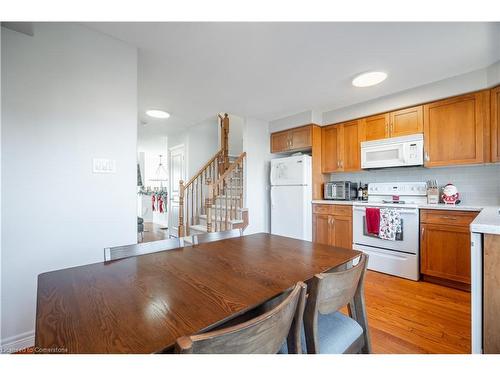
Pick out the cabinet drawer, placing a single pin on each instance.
(332, 209)
(460, 218)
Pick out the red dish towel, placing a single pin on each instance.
(372, 220)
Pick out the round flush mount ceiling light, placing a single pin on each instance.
(156, 113)
(369, 79)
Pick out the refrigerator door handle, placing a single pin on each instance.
(272, 200)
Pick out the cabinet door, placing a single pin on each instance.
(350, 158)
(495, 124)
(342, 232)
(280, 142)
(445, 252)
(301, 138)
(407, 121)
(454, 130)
(376, 127)
(330, 149)
(321, 229)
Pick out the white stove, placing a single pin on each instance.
(398, 257)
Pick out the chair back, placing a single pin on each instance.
(337, 289)
(263, 334)
(216, 236)
(120, 252)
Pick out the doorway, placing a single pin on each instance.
(177, 172)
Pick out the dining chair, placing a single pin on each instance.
(216, 236)
(120, 252)
(326, 329)
(263, 334)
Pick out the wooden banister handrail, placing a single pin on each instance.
(233, 166)
(202, 169)
(215, 193)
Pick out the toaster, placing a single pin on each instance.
(341, 190)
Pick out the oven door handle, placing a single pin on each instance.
(411, 212)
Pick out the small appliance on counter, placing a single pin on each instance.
(341, 190)
(432, 192)
(450, 194)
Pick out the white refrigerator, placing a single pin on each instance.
(291, 195)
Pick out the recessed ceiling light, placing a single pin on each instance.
(156, 113)
(369, 79)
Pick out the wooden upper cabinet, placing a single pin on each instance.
(495, 124)
(301, 138)
(406, 121)
(455, 130)
(280, 142)
(376, 127)
(350, 148)
(291, 140)
(330, 142)
(340, 149)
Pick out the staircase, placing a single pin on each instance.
(213, 199)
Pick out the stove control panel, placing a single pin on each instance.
(397, 188)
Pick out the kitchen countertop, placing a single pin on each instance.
(329, 201)
(487, 222)
(440, 206)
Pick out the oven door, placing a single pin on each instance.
(406, 241)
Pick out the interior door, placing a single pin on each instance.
(177, 172)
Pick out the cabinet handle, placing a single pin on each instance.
(427, 158)
(449, 217)
(422, 232)
(392, 128)
(386, 129)
(341, 164)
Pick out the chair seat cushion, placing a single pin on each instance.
(336, 333)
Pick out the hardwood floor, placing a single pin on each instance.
(416, 317)
(153, 232)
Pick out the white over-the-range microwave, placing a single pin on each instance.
(393, 152)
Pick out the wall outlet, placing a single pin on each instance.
(100, 165)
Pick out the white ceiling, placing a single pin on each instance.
(271, 70)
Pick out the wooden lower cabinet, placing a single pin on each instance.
(445, 247)
(332, 225)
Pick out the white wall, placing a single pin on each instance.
(493, 74)
(471, 81)
(478, 184)
(256, 144)
(236, 129)
(298, 119)
(69, 94)
(201, 141)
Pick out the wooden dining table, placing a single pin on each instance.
(142, 304)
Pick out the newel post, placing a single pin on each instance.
(225, 140)
(181, 209)
(208, 204)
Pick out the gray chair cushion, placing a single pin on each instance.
(337, 332)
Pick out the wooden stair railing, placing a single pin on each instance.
(192, 193)
(225, 199)
(191, 201)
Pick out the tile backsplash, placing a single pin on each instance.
(477, 185)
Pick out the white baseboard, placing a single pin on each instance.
(18, 342)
